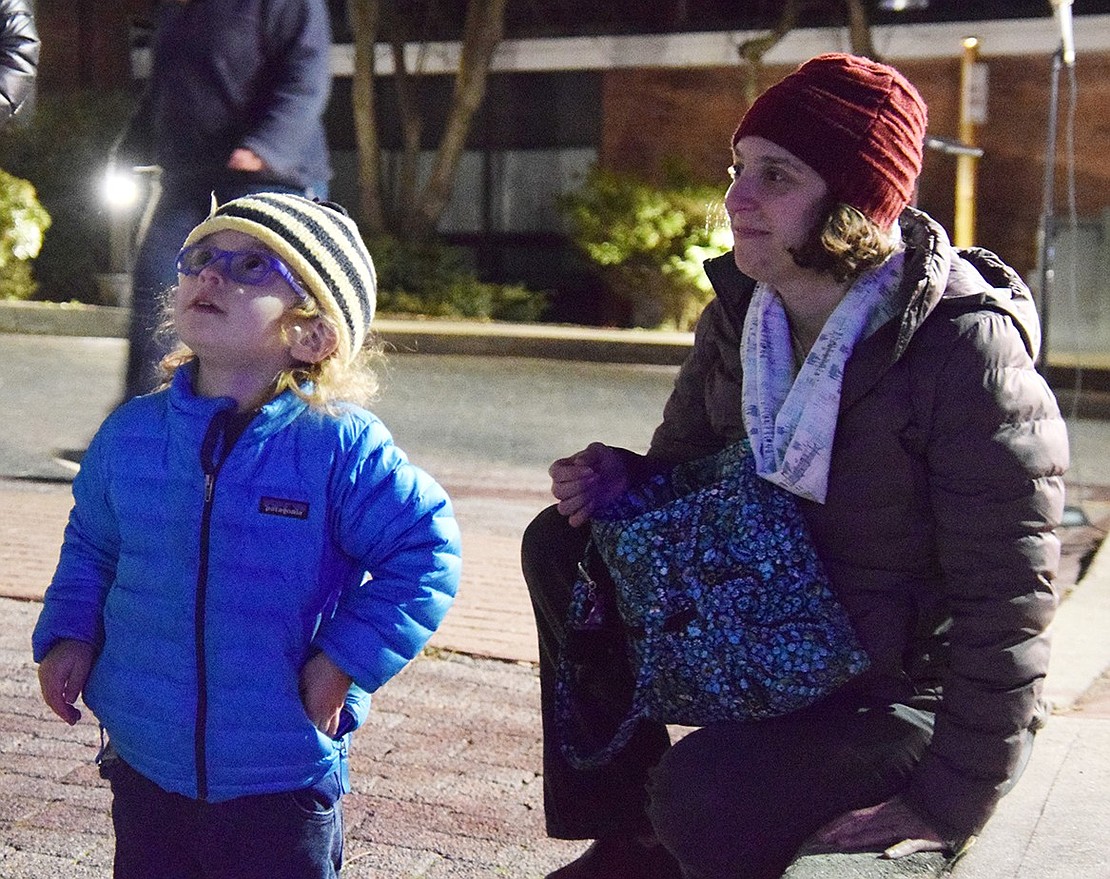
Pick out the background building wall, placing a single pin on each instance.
(86, 43)
(652, 114)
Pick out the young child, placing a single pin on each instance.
(249, 556)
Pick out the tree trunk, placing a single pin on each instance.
(411, 213)
(411, 119)
(859, 30)
(482, 32)
(751, 51)
(365, 18)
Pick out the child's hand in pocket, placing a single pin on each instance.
(324, 691)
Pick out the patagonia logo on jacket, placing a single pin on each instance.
(275, 506)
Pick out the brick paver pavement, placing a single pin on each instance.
(445, 775)
(491, 617)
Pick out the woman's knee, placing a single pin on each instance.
(537, 536)
(550, 548)
(708, 818)
(683, 794)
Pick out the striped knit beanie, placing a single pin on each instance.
(857, 123)
(320, 243)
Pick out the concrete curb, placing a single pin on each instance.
(543, 341)
(430, 336)
(63, 319)
(548, 341)
(1080, 653)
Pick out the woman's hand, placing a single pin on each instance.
(324, 692)
(62, 676)
(588, 480)
(891, 827)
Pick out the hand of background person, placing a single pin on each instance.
(891, 826)
(243, 159)
(62, 676)
(324, 692)
(586, 481)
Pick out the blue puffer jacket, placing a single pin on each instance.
(206, 576)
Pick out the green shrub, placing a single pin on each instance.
(22, 223)
(650, 241)
(434, 280)
(63, 151)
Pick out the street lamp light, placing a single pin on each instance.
(123, 192)
(120, 190)
(903, 5)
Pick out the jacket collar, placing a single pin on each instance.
(733, 288)
(186, 403)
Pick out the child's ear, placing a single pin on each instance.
(312, 341)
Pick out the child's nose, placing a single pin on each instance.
(215, 270)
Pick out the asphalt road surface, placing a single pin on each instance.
(490, 421)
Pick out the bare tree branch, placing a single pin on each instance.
(751, 51)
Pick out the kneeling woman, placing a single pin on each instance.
(887, 380)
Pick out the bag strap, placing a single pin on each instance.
(583, 614)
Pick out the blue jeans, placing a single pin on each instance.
(184, 202)
(160, 835)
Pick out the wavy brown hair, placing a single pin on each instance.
(845, 244)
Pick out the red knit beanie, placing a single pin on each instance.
(857, 123)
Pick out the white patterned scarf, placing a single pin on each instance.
(791, 415)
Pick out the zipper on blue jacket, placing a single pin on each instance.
(226, 427)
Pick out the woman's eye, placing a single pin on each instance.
(734, 170)
(775, 175)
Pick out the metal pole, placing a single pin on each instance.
(1048, 208)
(963, 231)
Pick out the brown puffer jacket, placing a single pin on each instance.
(945, 486)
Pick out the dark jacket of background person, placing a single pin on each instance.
(19, 55)
(253, 74)
(944, 486)
(228, 78)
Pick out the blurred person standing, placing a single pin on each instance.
(233, 106)
(19, 55)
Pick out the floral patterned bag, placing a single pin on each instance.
(727, 609)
